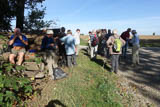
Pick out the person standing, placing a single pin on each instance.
(109, 33)
(49, 47)
(70, 42)
(111, 42)
(61, 47)
(77, 39)
(89, 42)
(135, 49)
(125, 36)
(94, 44)
(19, 43)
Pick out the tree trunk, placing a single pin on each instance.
(20, 14)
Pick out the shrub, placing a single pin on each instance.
(14, 87)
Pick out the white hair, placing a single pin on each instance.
(115, 31)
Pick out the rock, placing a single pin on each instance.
(38, 40)
(40, 75)
(6, 56)
(31, 66)
(30, 56)
(30, 74)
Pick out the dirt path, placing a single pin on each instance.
(145, 77)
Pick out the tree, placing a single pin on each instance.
(34, 21)
(6, 14)
(10, 9)
(21, 5)
(20, 13)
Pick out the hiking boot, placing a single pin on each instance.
(116, 72)
(111, 71)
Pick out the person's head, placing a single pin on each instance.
(49, 33)
(129, 30)
(90, 33)
(63, 29)
(44, 31)
(109, 31)
(105, 30)
(78, 30)
(94, 32)
(115, 33)
(69, 32)
(17, 31)
(134, 32)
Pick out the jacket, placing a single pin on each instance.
(110, 43)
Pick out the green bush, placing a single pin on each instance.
(14, 87)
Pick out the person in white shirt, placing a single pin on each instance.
(77, 40)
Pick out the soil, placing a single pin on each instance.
(144, 78)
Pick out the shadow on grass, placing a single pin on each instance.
(100, 62)
(54, 103)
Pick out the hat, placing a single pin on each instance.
(134, 31)
(50, 32)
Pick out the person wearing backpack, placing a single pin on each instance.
(135, 48)
(94, 44)
(115, 44)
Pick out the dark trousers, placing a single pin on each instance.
(124, 49)
(71, 60)
(115, 63)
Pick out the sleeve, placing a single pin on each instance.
(132, 40)
(25, 38)
(11, 37)
(43, 43)
(63, 39)
(123, 41)
(74, 40)
(109, 41)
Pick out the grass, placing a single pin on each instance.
(150, 43)
(88, 85)
(83, 42)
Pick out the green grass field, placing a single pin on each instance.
(89, 85)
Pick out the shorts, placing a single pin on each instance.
(15, 52)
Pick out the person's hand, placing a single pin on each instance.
(51, 44)
(20, 37)
(15, 36)
(56, 47)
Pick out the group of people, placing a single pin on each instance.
(66, 44)
(114, 45)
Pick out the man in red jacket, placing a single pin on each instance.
(125, 36)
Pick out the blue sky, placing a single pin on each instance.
(142, 15)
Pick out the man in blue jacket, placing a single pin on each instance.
(49, 47)
(70, 49)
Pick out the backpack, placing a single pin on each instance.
(117, 45)
(59, 73)
(95, 41)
